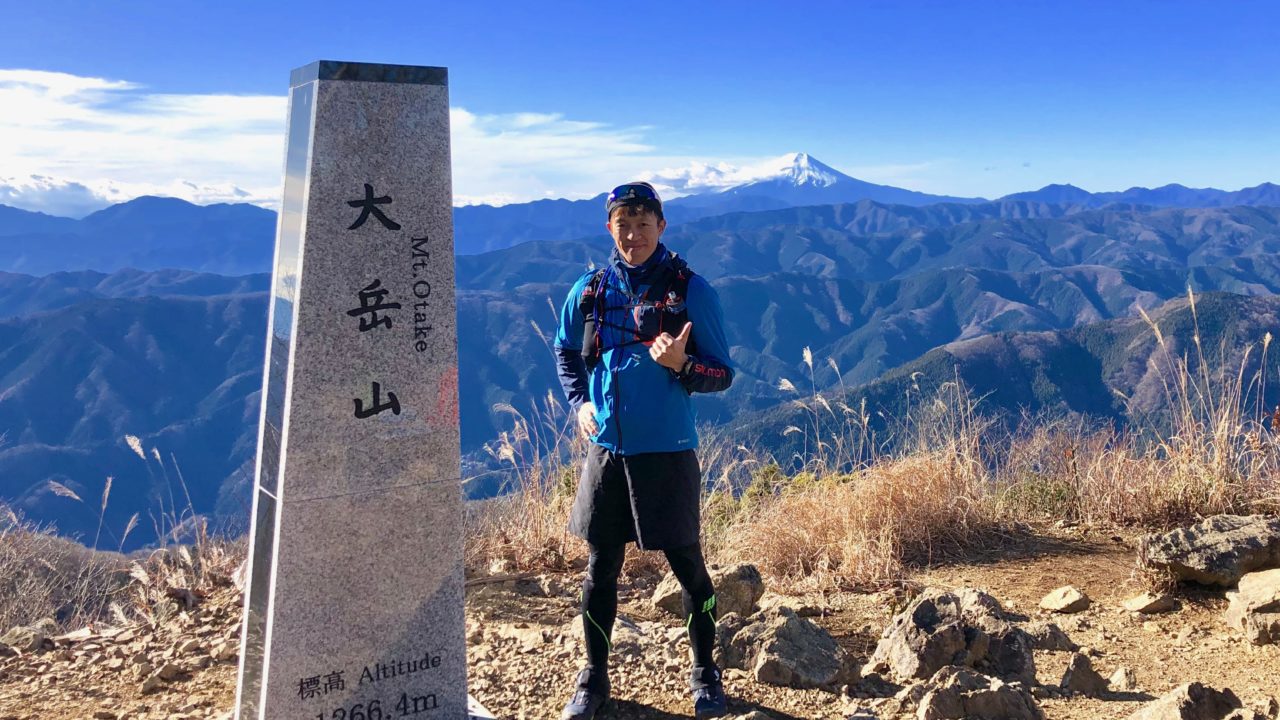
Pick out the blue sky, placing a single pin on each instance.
(559, 99)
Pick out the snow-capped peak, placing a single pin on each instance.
(801, 169)
(797, 168)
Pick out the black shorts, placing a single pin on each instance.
(652, 499)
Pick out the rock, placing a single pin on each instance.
(1123, 680)
(962, 693)
(169, 672)
(1267, 709)
(1066, 599)
(769, 601)
(1255, 607)
(1080, 677)
(1248, 714)
(627, 635)
(6, 651)
(75, 636)
(225, 653)
(1048, 636)
(1218, 551)
(151, 684)
(1192, 701)
(782, 648)
(731, 655)
(940, 628)
(189, 647)
(28, 639)
(754, 715)
(1151, 603)
(738, 588)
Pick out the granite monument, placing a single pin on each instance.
(354, 603)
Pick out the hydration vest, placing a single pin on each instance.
(661, 308)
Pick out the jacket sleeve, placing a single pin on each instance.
(570, 366)
(711, 369)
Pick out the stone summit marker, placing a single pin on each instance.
(354, 607)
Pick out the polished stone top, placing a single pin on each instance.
(369, 72)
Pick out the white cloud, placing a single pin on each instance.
(70, 145)
(518, 157)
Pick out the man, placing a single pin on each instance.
(636, 339)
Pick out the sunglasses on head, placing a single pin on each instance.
(632, 192)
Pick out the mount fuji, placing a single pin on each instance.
(792, 180)
(799, 179)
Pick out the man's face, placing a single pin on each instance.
(636, 236)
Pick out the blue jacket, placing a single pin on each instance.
(641, 406)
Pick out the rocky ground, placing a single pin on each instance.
(524, 647)
(181, 667)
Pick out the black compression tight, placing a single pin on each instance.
(600, 606)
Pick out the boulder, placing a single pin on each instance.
(1123, 680)
(940, 628)
(727, 628)
(963, 693)
(1218, 551)
(1151, 603)
(1255, 607)
(1048, 636)
(1066, 599)
(738, 589)
(1192, 701)
(30, 638)
(782, 648)
(1080, 677)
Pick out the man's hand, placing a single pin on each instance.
(587, 420)
(668, 351)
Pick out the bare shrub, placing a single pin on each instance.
(176, 577)
(45, 576)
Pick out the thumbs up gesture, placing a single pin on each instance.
(668, 351)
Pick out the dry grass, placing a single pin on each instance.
(43, 576)
(46, 576)
(860, 529)
(525, 529)
(1214, 459)
(855, 515)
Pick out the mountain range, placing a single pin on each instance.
(148, 319)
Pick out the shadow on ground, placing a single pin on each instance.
(998, 546)
(628, 710)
